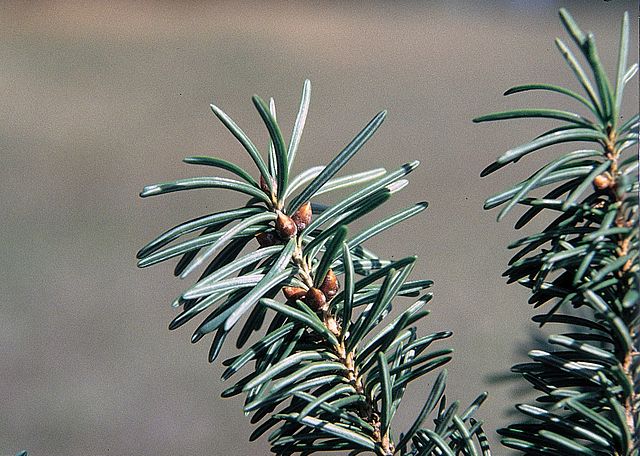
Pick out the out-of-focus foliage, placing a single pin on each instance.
(583, 267)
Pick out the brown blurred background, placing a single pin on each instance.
(99, 99)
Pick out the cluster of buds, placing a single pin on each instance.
(316, 298)
(286, 227)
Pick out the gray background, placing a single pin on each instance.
(99, 99)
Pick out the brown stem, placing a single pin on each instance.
(624, 243)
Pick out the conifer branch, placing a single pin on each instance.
(326, 370)
(587, 259)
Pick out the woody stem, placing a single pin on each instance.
(630, 358)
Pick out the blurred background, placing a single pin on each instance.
(101, 98)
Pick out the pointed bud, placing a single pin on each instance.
(316, 299)
(285, 227)
(302, 217)
(293, 293)
(266, 239)
(330, 285)
(601, 182)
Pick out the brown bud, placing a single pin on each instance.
(316, 299)
(265, 187)
(285, 227)
(266, 239)
(601, 182)
(302, 217)
(330, 285)
(293, 293)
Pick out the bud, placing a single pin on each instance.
(601, 182)
(316, 299)
(302, 217)
(266, 239)
(293, 293)
(285, 227)
(330, 285)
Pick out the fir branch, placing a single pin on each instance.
(586, 258)
(326, 370)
